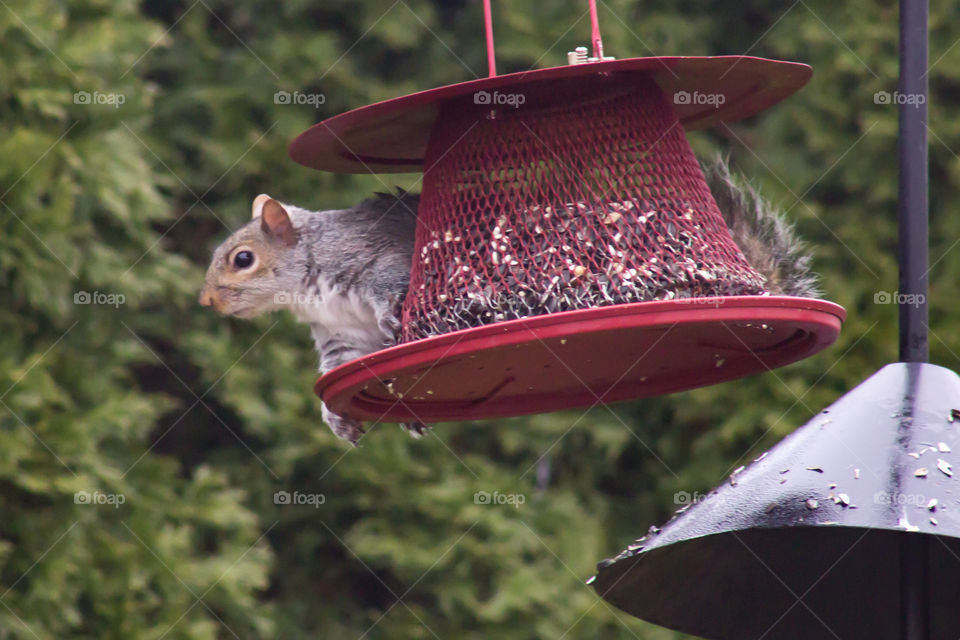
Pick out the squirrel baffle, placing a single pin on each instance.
(568, 249)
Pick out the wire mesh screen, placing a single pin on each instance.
(567, 196)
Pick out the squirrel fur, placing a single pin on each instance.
(768, 242)
(345, 272)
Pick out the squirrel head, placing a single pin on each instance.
(256, 269)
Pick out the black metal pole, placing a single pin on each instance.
(912, 102)
(913, 250)
(915, 598)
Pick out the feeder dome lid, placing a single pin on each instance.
(392, 136)
(809, 540)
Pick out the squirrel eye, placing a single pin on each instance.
(243, 259)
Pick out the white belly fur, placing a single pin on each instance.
(341, 313)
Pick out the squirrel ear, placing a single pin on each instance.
(276, 223)
(258, 203)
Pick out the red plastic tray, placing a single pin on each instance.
(580, 358)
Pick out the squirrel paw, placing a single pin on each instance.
(416, 429)
(344, 428)
(391, 328)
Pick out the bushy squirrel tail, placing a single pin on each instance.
(769, 243)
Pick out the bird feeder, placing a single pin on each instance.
(568, 249)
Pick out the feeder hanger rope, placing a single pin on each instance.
(579, 56)
(488, 24)
(595, 38)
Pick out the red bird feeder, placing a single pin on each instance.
(568, 250)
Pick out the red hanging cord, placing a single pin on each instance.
(595, 31)
(488, 21)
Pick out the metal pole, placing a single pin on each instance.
(912, 101)
(914, 580)
(912, 253)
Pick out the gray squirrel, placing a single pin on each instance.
(345, 272)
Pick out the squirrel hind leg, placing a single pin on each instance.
(344, 428)
(416, 429)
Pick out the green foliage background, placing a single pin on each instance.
(197, 420)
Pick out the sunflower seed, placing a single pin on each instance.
(944, 467)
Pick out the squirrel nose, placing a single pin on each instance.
(206, 298)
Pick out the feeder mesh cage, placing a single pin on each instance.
(585, 195)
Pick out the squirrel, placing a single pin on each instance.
(345, 272)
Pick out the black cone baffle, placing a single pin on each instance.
(809, 540)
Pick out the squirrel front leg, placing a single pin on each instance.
(335, 350)
(387, 312)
